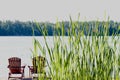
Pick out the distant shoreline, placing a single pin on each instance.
(17, 28)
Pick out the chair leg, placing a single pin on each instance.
(9, 76)
(22, 76)
(29, 74)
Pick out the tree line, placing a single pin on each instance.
(29, 28)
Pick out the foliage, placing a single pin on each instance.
(17, 28)
(87, 55)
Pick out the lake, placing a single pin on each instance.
(20, 47)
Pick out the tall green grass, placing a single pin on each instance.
(82, 57)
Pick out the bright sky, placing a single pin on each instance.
(50, 10)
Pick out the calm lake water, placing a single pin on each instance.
(20, 47)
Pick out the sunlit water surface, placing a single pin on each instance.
(20, 47)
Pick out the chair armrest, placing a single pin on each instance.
(8, 66)
(22, 66)
(13, 66)
(30, 67)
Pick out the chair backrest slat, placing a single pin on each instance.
(38, 61)
(14, 64)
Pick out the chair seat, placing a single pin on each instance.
(15, 70)
(35, 70)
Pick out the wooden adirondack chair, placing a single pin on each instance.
(15, 68)
(38, 66)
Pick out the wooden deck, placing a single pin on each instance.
(27, 79)
(22, 79)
